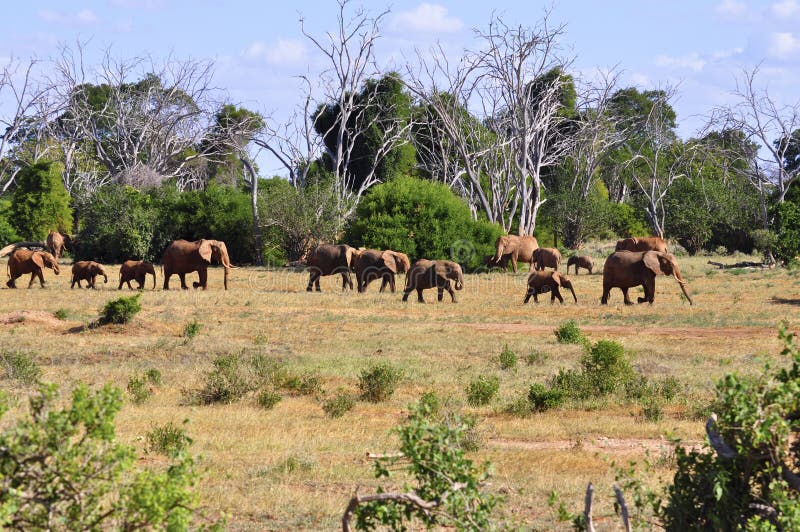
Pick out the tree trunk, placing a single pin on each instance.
(258, 245)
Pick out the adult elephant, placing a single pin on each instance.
(433, 273)
(87, 270)
(546, 258)
(136, 270)
(182, 257)
(520, 248)
(642, 243)
(541, 282)
(56, 243)
(24, 261)
(329, 259)
(626, 269)
(371, 264)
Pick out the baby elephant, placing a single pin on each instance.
(433, 274)
(580, 261)
(87, 270)
(548, 281)
(136, 270)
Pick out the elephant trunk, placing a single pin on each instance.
(105, 278)
(573, 294)
(499, 254)
(682, 283)
(154, 278)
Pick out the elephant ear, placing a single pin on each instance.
(652, 260)
(557, 278)
(388, 261)
(205, 250)
(37, 259)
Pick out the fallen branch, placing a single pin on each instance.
(719, 445)
(745, 264)
(378, 456)
(623, 509)
(409, 498)
(587, 511)
(30, 245)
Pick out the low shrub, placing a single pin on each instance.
(378, 382)
(542, 398)
(507, 358)
(482, 390)
(569, 333)
(305, 384)
(61, 314)
(191, 329)
(20, 366)
(138, 389)
(652, 411)
(226, 382)
(168, 439)
(268, 398)
(536, 357)
(431, 402)
(338, 405)
(606, 366)
(121, 310)
(154, 376)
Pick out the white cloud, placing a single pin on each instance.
(692, 61)
(783, 45)
(725, 54)
(431, 18)
(84, 16)
(786, 8)
(731, 8)
(283, 52)
(138, 4)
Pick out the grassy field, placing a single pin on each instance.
(293, 467)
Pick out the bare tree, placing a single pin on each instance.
(343, 88)
(514, 85)
(24, 96)
(769, 125)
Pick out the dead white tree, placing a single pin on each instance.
(343, 91)
(514, 85)
(24, 96)
(768, 124)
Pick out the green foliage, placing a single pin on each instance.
(138, 389)
(268, 398)
(652, 411)
(482, 390)
(305, 384)
(421, 219)
(626, 221)
(787, 230)
(20, 366)
(8, 234)
(191, 329)
(536, 357)
(61, 314)
(606, 367)
(154, 376)
(438, 471)
(121, 310)
(542, 398)
(378, 382)
(569, 333)
(228, 381)
(507, 358)
(168, 439)
(62, 467)
(40, 202)
(338, 405)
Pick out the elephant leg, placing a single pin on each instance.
(528, 295)
(439, 293)
(606, 291)
(625, 296)
(405, 294)
(649, 293)
(167, 275)
(392, 283)
(419, 296)
(130, 287)
(182, 277)
(41, 278)
(348, 279)
(72, 284)
(514, 262)
(33, 276)
(202, 276)
(384, 282)
(450, 291)
(312, 276)
(556, 293)
(11, 282)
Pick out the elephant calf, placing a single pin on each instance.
(87, 270)
(24, 261)
(580, 261)
(546, 258)
(541, 282)
(136, 270)
(433, 273)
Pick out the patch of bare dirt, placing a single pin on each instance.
(601, 444)
(619, 330)
(31, 316)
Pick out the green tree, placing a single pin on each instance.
(40, 202)
(423, 220)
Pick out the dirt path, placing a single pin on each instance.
(30, 316)
(619, 330)
(601, 444)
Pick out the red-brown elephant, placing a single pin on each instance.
(182, 257)
(24, 261)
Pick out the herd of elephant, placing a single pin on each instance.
(635, 262)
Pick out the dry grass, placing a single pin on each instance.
(292, 467)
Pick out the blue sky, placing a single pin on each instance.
(258, 48)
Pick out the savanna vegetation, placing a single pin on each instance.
(264, 406)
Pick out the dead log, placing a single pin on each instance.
(587, 511)
(29, 245)
(745, 264)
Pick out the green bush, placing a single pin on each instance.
(40, 202)
(431, 403)
(8, 234)
(543, 398)
(606, 367)
(61, 314)
(377, 383)
(268, 398)
(138, 389)
(338, 405)
(20, 366)
(121, 310)
(422, 219)
(507, 358)
(227, 382)
(569, 333)
(154, 376)
(305, 384)
(652, 411)
(482, 390)
(191, 329)
(536, 357)
(62, 467)
(573, 383)
(168, 439)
